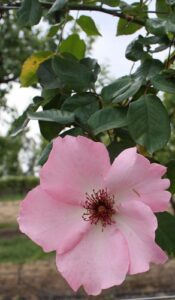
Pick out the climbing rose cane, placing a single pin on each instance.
(99, 218)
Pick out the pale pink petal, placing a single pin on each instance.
(133, 177)
(76, 165)
(51, 223)
(99, 261)
(138, 224)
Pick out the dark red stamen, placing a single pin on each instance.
(99, 208)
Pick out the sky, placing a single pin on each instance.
(108, 49)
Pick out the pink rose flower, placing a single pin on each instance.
(99, 218)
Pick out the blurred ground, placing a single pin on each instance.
(9, 211)
(39, 280)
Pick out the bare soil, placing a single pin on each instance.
(9, 211)
(41, 280)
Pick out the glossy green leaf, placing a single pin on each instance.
(149, 123)
(88, 25)
(153, 39)
(83, 105)
(171, 175)
(125, 28)
(170, 24)
(50, 130)
(121, 89)
(45, 154)
(163, 9)
(156, 26)
(47, 77)
(164, 82)
(20, 123)
(57, 5)
(53, 115)
(134, 51)
(72, 73)
(74, 45)
(92, 66)
(149, 68)
(115, 148)
(29, 13)
(76, 131)
(107, 118)
(165, 234)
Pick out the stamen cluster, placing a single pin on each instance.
(99, 207)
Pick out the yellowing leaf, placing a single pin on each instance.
(28, 73)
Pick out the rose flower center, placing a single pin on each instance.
(99, 208)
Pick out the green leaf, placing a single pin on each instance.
(57, 5)
(171, 175)
(149, 123)
(88, 25)
(73, 132)
(162, 9)
(53, 115)
(112, 3)
(115, 148)
(156, 26)
(124, 27)
(83, 105)
(107, 118)
(121, 89)
(29, 13)
(149, 68)
(72, 73)
(50, 130)
(28, 73)
(45, 154)
(53, 30)
(20, 123)
(134, 51)
(165, 234)
(170, 24)
(92, 66)
(74, 45)
(47, 77)
(153, 39)
(164, 82)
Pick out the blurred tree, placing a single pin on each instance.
(15, 46)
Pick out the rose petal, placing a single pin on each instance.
(51, 223)
(138, 224)
(133, 177)
(99, 261)
(76, 165)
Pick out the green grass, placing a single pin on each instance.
(20, 249)
(6, 225)
(11, 197)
